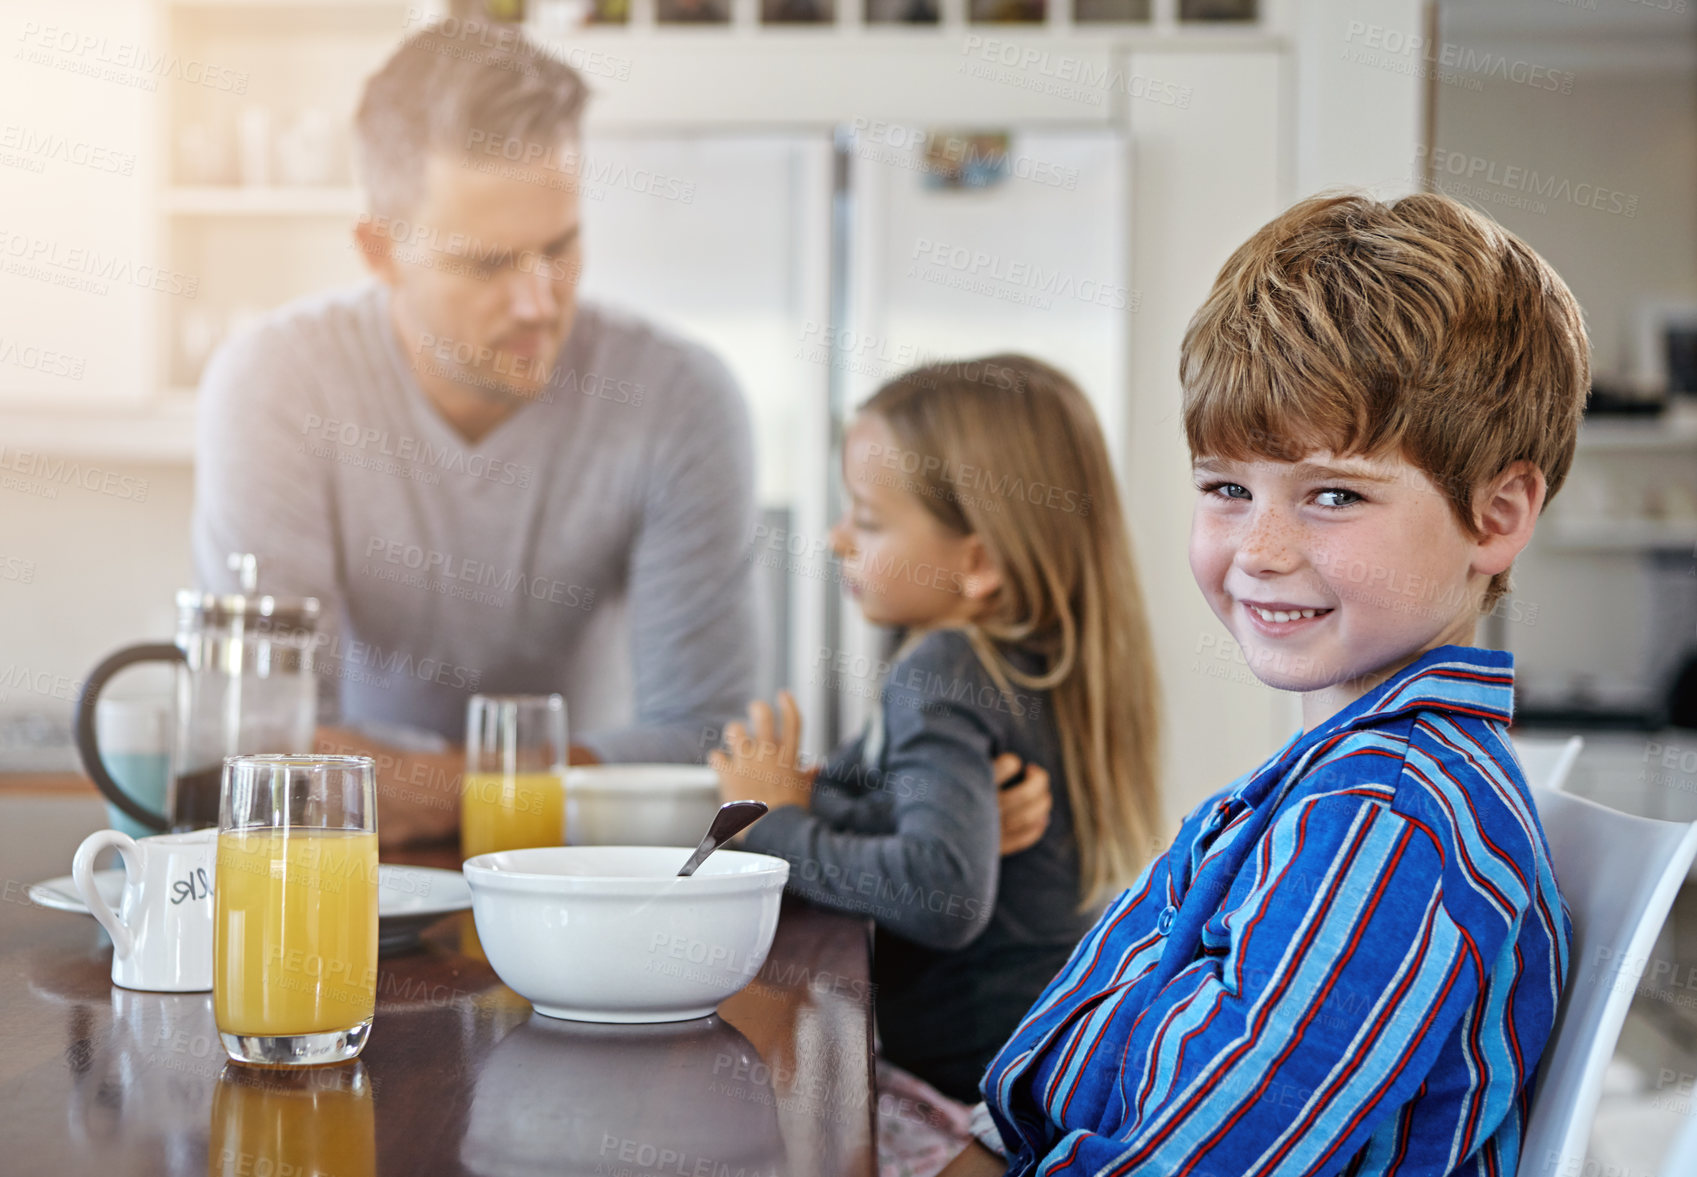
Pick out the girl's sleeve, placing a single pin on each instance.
(847, 795)
(1337, 978)
(931, 878)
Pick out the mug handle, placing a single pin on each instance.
(82, 874)
(89, 749)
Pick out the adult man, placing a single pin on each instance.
(490, 484)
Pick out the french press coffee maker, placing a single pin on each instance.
(244, 684)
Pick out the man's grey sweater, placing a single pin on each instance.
(594, 543)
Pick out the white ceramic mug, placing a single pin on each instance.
(162, 930)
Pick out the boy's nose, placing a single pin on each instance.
(1268, 545)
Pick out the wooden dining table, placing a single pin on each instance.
(459, 1076)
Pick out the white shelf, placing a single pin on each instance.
(1621, 535)
(158, 432)
(234, 201)
(1673, 431)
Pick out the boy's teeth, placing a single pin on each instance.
(1282, 615)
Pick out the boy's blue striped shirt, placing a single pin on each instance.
(1348, 962)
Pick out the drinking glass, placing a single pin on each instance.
(515, 781)
(294, 940)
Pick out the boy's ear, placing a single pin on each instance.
(982, 578)
(375, 247)
(1505, 510)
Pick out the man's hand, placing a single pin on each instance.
(766, 765)
(418, 793)
(1025, 807)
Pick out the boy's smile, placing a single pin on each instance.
(1335, 571)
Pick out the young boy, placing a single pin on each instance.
(1349, 961)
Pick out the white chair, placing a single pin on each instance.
(1547, 762)
(1681, 1160)
(1619, 875)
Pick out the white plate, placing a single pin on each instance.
(409, 898)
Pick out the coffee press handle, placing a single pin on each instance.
(82, 875)
(89, 748)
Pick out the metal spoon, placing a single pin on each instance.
(733, 817)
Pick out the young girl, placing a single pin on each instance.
(985, 525)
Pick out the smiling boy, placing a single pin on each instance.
(1349, 961)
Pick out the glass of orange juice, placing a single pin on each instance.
(294, 934)
(514, 793)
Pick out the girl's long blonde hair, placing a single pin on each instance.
(1008, 449)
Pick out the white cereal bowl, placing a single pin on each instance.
(611, 934)
(640, 804)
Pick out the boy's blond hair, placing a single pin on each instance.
(1419, 328)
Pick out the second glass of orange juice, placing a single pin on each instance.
(294, 941)
(514, 794)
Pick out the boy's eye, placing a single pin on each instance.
(1336, 496)
(1228, 490)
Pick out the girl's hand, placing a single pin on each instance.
(765, 766)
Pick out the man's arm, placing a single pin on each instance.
(260, 486)
(692, 611)
(418, 793)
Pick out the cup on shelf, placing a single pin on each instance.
(306, 149)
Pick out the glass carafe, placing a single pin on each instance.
(244, 684)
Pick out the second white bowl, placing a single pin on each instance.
(640, 804)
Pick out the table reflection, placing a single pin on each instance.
(147, 1079)
(270, 1122)
(560, 1098)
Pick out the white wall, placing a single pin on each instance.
(1190, 210)
(85, 571)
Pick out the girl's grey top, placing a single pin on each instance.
(966, 940)
(595, 543)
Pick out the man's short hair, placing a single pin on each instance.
(460, 86)
(1420, 328)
